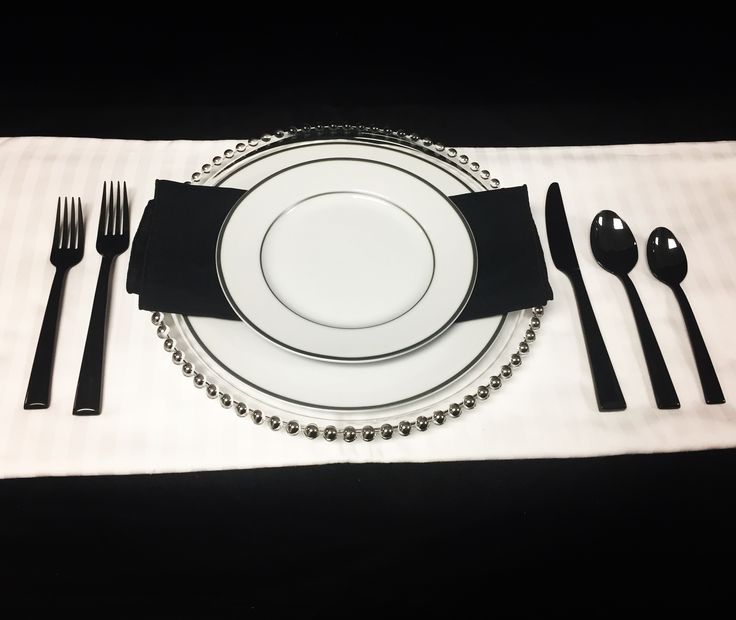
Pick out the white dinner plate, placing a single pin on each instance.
(346, 259)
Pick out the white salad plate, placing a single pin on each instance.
(346, 259)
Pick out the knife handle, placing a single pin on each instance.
(607, 390)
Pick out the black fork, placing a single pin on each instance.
(113, 234)
(67, 250)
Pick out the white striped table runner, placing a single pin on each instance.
(154, 421)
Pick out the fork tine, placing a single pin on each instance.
(118, 214)
(73, 232)
(126, 213)
(57, 228)
(110, 212)
(65, 226)
(80, 221)
(103, 213)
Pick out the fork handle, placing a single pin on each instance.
(89, 385)
(38, 394)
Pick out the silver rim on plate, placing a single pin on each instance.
(193, 366)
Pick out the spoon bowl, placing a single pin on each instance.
(666, 257)
(613, 243)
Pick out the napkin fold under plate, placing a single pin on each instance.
(172, 261)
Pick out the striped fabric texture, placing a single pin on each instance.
(155, 421)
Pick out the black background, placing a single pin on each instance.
(652, 525)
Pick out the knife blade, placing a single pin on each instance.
(558, 232)
(605, 383)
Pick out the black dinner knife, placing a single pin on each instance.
(607, 390)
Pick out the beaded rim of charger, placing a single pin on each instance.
(349, 433)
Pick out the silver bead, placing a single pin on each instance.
(451, 152)
(505, 371)
(330, 433)
(274, 422)
(469, 402)
(484, 174)
(169, 345)
(387, 431)
(229, 153)
(187, 369)
(156, 318)
(535, 323)
(161, 331)
(422, 423)
(206, 168)
(226, 401)
(454, 410)
(515, 359)
(495, 183)
(241, 410)
(463, 159)
(253, 142)
(196, 176)
(349, 434)
(217, 160)
(256, 416)
(538, 310)
(483, 392)
(198, 380)
(530, 335)
(439, 147)
(177, 357)
(292, 427)
(240, 147)
(311, 431)
(475, 166)
(495, 382)
(523, 347)
(368, 432)
(439, 417)
(212, 391)
(404, 428)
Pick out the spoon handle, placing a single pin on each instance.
(607, 390)
(708, 378)
(664, 390)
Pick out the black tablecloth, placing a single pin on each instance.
(380, 532)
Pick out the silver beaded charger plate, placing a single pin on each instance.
(285, 390)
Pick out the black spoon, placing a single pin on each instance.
(668, 264)
(614, 247)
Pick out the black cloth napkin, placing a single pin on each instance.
(172, 260)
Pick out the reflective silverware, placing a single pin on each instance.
(112, 240)
(66, 251)
(607, 390)
(615, 249)
(668, 263)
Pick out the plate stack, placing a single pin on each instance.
(348, 266)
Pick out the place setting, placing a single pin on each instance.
(351, 284)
